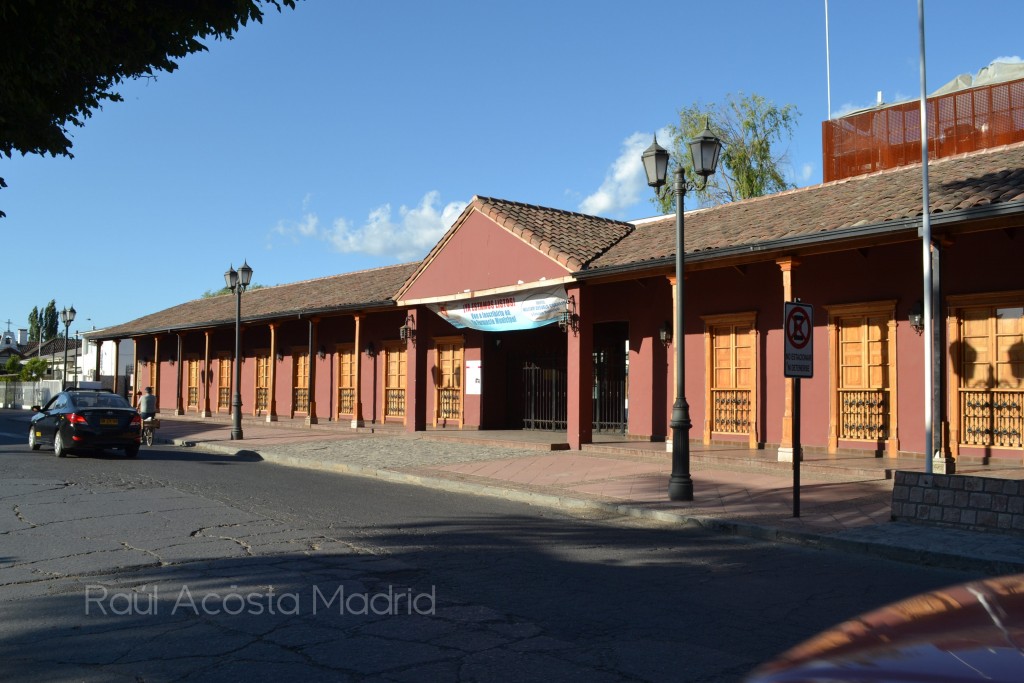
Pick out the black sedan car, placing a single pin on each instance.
(86, 419)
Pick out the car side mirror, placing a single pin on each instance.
(36, 409)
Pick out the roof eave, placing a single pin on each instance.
(303, 313)
(938, 221)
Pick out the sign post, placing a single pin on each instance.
(798, 363)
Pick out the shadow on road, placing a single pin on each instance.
(505, 598)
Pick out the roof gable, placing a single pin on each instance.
(496, 243)
(481, 255)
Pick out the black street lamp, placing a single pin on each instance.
(237, 281)
(67, 316)
(704, 151)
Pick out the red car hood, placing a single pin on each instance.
(970, 632)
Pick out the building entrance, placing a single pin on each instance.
(543, 384)
(538, 384)
(611, 377)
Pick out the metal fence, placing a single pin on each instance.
(958, 122)
(27, 394)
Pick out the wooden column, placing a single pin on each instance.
(99, 356)
(179, 408)
(416, 374)
(133, 388)
(311, 411)
(272, 389)
(156, 371)
(785, 453)
(580, 374)
(357, 352)
(117, 361)
(207, 375)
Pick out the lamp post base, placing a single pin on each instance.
(236, 417)
(680, 488)
(680, 484)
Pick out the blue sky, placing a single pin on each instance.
(347, 135)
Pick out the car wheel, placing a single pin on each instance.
(32, 439)
(58, 446)
(131, 451)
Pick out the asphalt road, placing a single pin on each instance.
(187, 566)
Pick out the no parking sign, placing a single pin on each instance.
(798, 353)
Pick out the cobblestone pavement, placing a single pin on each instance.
(850, 515)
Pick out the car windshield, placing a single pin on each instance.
(98, 400)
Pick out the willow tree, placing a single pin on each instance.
(755, 134)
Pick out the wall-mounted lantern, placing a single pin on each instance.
(916, 316)
(665, 333)
(569, 320)
(408, 330)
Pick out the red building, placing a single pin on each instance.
(524, 317)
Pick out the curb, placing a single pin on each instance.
(879, 549)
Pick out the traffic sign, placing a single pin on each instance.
(798, 352)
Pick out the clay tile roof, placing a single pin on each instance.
(50, 346)
(572, 239)
(994, 176)
(362, 289)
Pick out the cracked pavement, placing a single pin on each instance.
(107, 583)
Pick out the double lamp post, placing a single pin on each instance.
(67, 316)
(704, 151)
(237, 281)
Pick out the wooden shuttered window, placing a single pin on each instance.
(731, 396)
(346, 379)
(862, 375)
(394, 381)
(988, 356)
(263, 382)
(300, 382)
(448, 381)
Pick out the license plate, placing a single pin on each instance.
(109, 422)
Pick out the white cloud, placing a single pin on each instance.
(805, 174)
(624, 183)
(1009, 60)
(408, 235)
(307, 227)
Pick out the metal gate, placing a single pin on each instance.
(610, 388)
(544, 394)
(544, 390)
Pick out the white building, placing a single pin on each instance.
(98, 358)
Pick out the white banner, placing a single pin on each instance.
(514, 311)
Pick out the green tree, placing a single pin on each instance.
(33, 324)
(48, 320)
(12, 370)
(61, 60)
(210, 293)
(34, 369)
(751, 127)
